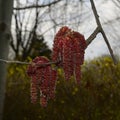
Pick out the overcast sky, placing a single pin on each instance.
(107, 11)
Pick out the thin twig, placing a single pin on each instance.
(29, 63)
(109, 47)
(95, 13)
(47, 64)
(92, 36)
(17, 62)
(102, 31)
(36, 6)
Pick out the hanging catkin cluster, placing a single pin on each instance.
(69, 47)
(43, 80)
(68, 53)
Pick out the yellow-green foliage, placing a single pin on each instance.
(96, 98)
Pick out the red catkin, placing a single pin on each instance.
(43, 80)
(69, 47)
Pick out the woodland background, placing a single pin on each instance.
(34, 25)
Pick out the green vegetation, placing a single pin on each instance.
(96, 98)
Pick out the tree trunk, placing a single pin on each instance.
(5, 23)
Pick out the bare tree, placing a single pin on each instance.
(75, 14)
(27, 42)
(32, 22)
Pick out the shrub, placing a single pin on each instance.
(96, 98)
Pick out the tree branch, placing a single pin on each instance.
(100, 29)
(109, 47)
(92, 36)
(36, 6)
(29, 63)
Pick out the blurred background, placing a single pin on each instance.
(34, 25)
(37, 20)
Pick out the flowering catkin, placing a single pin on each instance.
(69, 47)
(43, 80)
(68, 53)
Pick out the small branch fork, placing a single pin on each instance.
(99, 29)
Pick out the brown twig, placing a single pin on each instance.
(47, 64)
(16, 62)
(100, 29)
(29, 63)
(92, 36)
